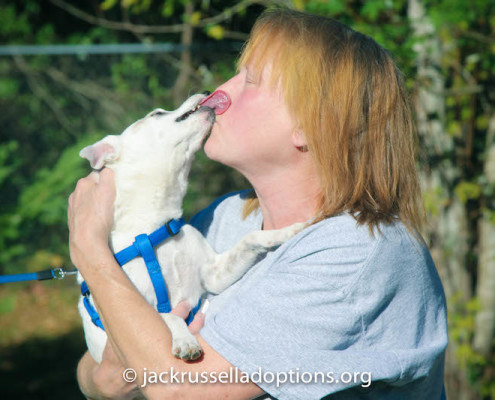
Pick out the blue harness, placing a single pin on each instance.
(143, 246)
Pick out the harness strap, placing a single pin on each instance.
(171, 228)
(89, 307)
(146, 250)
(143, 246)
(193, 312)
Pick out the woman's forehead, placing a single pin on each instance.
(261, 70)
(262, 63)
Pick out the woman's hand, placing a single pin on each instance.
(183, 309)
(90, 217)
(105, 380)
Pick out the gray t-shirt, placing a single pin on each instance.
(330, 308)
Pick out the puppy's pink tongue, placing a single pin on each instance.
(219, 101)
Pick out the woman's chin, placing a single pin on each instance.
(211, 148)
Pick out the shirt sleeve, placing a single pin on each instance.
(333, 309)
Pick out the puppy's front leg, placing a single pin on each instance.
(228, 267)
(184, 344)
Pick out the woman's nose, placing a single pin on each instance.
(234, 84)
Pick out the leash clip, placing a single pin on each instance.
(60, 273)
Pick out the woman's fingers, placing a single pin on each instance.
(183, 309)
(90, 214)
(197, 323)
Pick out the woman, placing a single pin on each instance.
(320, 126)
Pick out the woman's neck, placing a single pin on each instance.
(287, 197)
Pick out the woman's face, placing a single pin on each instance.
(255, 132)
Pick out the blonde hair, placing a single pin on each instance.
(349, 99)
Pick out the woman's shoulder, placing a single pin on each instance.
(341, 252)
(221, 223)
(342, 233)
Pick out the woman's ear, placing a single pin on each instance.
(299, 141)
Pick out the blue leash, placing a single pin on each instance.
(55, 273)
(143, 246)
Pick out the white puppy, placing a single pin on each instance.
(151, 160)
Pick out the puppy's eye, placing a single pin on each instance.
(158, 112)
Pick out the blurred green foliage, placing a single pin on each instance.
(55, 105)
(461, 329)
(52, 106)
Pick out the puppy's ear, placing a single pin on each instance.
(102, 152)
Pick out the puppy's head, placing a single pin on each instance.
(156, 141)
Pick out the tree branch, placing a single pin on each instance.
(176, 28)
(107, 99)
(479, 37)
(43, 94)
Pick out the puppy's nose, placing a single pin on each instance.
(206, 93)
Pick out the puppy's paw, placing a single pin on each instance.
(263, 240)
(281, 235)
(186, 348)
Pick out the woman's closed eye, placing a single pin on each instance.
(252, 80)
(250, 77)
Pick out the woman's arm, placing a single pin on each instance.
(104, 381)
(139, 336)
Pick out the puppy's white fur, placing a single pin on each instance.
(151, 160)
